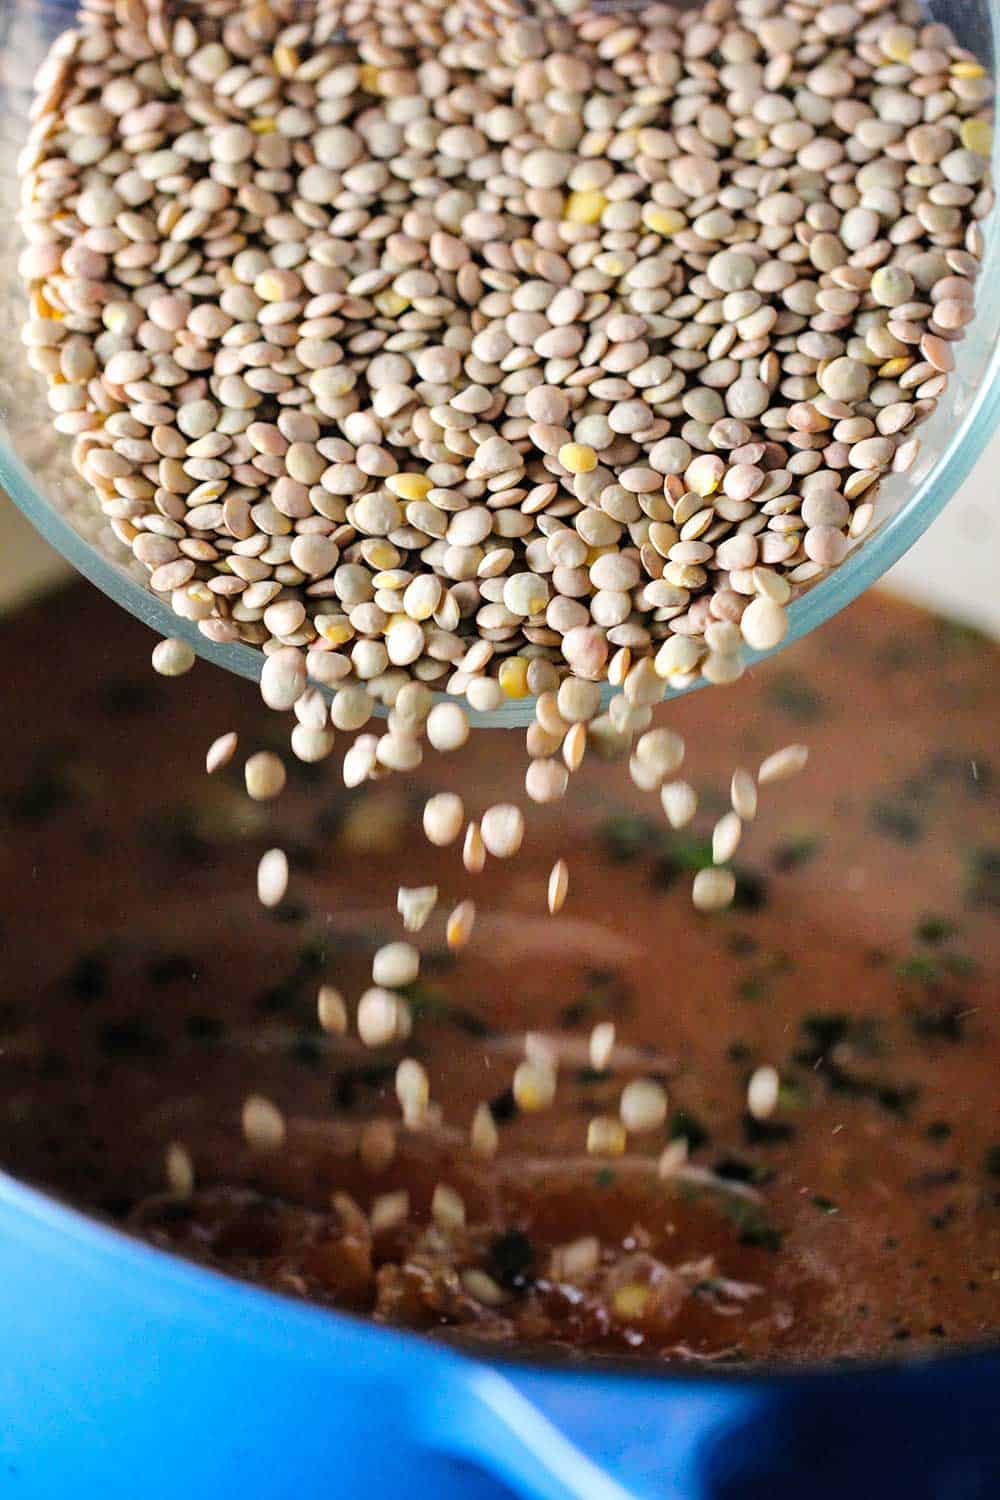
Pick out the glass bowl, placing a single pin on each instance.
(34, 460)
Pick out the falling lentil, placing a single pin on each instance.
(179, 1170)
(396, 965)
(783, 763)
(643, 1105)
(460, 924)
(331, 1010)
(762, 1092)
(474, 850)
(172, 657)
(263, 1124)
(272, 877)
(743, 795)
(447, 1208)
(558, 886)
(415, 904)
(265, 776)
(443, 817)
(484, 1138)
(713, 889)
(726, 837)
(606, 1136)
(680, 803)
(673, 1156)
(380, 1017)
(502, 829)
(534, 1085)
(221, 752)
(412, 1091)
(602, 1045)
(389, 1211)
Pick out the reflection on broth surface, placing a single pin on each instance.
(146, 994)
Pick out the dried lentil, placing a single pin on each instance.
(399, 370)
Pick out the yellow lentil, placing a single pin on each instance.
(390, 303)
(513, 677)
(605, 1136)
(336, 631)
(977, 136)
(409, 486)
(585, 207)
(894, 367)
(578, 458)
(631, 1301)
(665, 221)
(898, 43)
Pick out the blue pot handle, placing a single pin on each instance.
(561, 1434)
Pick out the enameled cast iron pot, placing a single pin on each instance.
(129, 1375)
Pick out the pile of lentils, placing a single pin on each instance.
(438, 344)
(444, 349)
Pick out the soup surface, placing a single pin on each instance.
(145, 994)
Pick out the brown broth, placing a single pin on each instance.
(145, 994)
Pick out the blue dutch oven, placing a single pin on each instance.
(128, 1374)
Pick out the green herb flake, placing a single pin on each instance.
(48, 791)
(896, 821)
(752, 987)
(627, 836)
(982, 878)
(953, 635)
(683, 1123)
(429, 1002)
(796, 698)
(132, 1037)
(934, 930)
(759, 981)
(920, 967)
(90, 978)
(767, 1132)
(171, 968)
(792, 1094)
(940, 1020)
(795, 851)
(897, 1099)
(605, 993)
(685, 852)
(122, 697)
(735, 1169)
(751, 1223)
(204, 1028)
(306, 1050)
